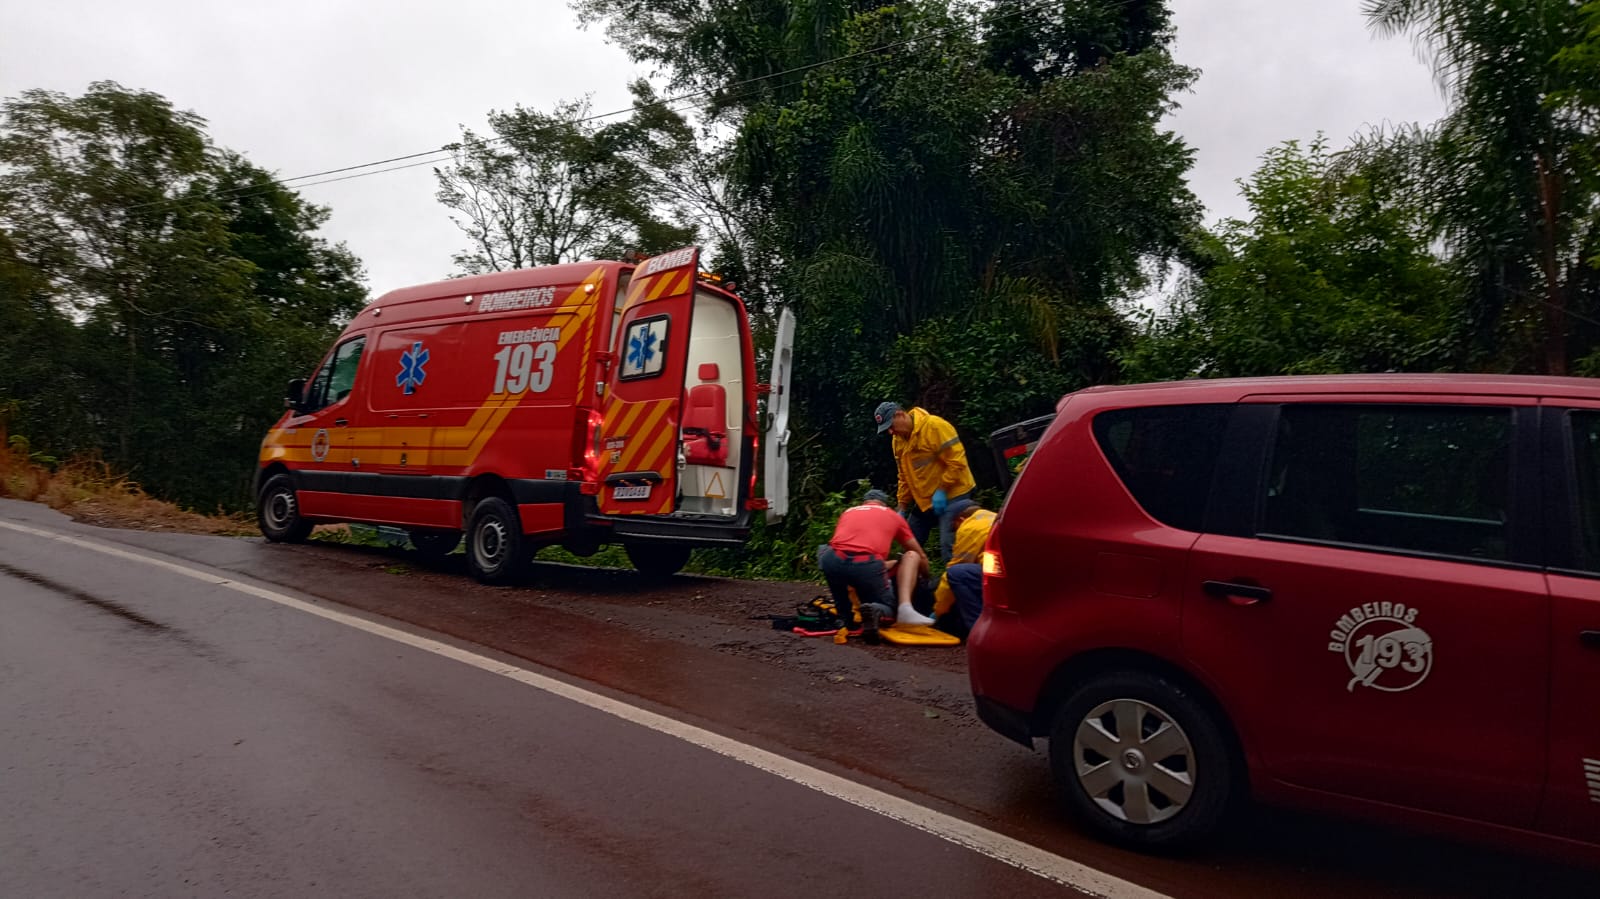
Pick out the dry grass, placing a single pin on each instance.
(89, 490)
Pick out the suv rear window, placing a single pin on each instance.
(1431, 479)
(1165, 456)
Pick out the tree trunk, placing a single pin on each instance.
(1555, 301)
(126, 440)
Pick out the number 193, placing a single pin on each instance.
(517, 370)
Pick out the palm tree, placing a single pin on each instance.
(1510, 191)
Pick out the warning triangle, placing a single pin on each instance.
(715, 490)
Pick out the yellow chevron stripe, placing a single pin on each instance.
(630, 414)
(636, 289)
(658, 448)
(646, 430)
(663, 283)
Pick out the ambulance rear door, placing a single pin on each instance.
(639, 436)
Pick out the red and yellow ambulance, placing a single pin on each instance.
(581, 404)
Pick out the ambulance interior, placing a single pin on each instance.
(710, 429)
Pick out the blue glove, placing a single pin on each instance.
(939, 502)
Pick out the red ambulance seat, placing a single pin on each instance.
(705, 442)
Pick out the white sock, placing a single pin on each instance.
(909, 615)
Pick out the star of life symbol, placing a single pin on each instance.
(644, 353)
(1383, 647)
(411, 368)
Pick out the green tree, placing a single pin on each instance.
(196, 281)
(1509, 174)
(89, 196)
(1333, 272)
(37, 388)
(1580, 61)
(559, 187)
(939, 186)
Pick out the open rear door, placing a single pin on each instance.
(776, 462)
(639, 436)
(1012, 445)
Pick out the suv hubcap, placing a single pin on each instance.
(1134, 761)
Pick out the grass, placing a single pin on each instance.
(90, 490)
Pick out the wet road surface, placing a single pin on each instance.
(169, 737)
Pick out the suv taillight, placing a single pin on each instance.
(994, 572)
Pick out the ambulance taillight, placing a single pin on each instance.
(591, 449)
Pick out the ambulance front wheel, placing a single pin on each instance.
(278, 511)
(496, 552)
(657, 559)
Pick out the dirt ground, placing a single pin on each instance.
(692, 599)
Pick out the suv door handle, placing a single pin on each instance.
(1238, 594)
(1590, 639)
(341, 422)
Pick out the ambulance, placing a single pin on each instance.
(577, 405)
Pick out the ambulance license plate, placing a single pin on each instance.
(641, 491)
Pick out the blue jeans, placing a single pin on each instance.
(966, 582)
(922, 523)
(870, 577)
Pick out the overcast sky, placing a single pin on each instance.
(301, 86)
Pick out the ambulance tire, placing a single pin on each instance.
(657, 559)
(496, 550)
(278, 512)
(435, 544)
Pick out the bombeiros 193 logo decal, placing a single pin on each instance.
(319, 445)
(1383, 646)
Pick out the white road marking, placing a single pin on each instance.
(986, 842)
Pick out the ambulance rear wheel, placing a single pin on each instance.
(435, 544)
(496, 552)
(657, 559)
(278, 512)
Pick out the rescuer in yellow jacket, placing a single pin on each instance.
(933, 470)
(961, 585)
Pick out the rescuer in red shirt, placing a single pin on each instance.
(858, 556)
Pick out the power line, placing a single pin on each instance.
(705, 95)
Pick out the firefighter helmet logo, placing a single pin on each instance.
(1383, 647)
(319, 445)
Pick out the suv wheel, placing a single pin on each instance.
(1142, 762)
(495, 550)
(278, 512)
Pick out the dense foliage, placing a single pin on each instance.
(1333, 272)
(954, 199)
(156, 292)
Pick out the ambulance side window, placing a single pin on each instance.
(337, 375)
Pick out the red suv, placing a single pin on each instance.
(1376, 595)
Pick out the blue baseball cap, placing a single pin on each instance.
(884, 416)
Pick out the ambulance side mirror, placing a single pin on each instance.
(294, 396)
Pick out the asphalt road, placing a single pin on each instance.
(193, 716)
